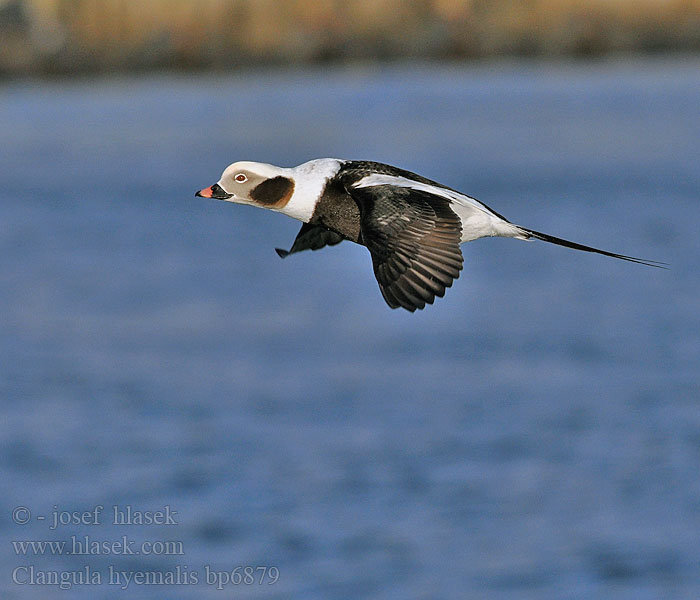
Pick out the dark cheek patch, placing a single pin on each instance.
(274, 193)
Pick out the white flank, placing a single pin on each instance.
(397, 181)
(477, 220)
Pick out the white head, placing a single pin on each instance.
(293, 192)
(257, 184)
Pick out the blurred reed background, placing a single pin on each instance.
(60, 36)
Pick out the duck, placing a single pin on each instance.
(412, 226)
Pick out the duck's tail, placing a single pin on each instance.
(529, 234)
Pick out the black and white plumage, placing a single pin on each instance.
(412, 226)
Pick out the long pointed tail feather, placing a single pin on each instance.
(567, 244)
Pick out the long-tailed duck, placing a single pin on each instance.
(412, 226)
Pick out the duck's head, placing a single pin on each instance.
(257, 184)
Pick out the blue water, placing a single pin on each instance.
(533, 435)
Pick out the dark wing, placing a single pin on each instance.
(413, 237)
(311, 237)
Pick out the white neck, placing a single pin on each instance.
(309, 181)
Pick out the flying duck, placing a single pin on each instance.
(412, 226)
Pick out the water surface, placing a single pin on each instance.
(534, 434)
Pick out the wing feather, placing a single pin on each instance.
(311, 237)
(413, 237)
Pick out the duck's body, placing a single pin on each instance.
(411, 225)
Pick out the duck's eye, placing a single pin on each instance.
(241, 178)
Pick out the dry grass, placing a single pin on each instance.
(89, 35)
